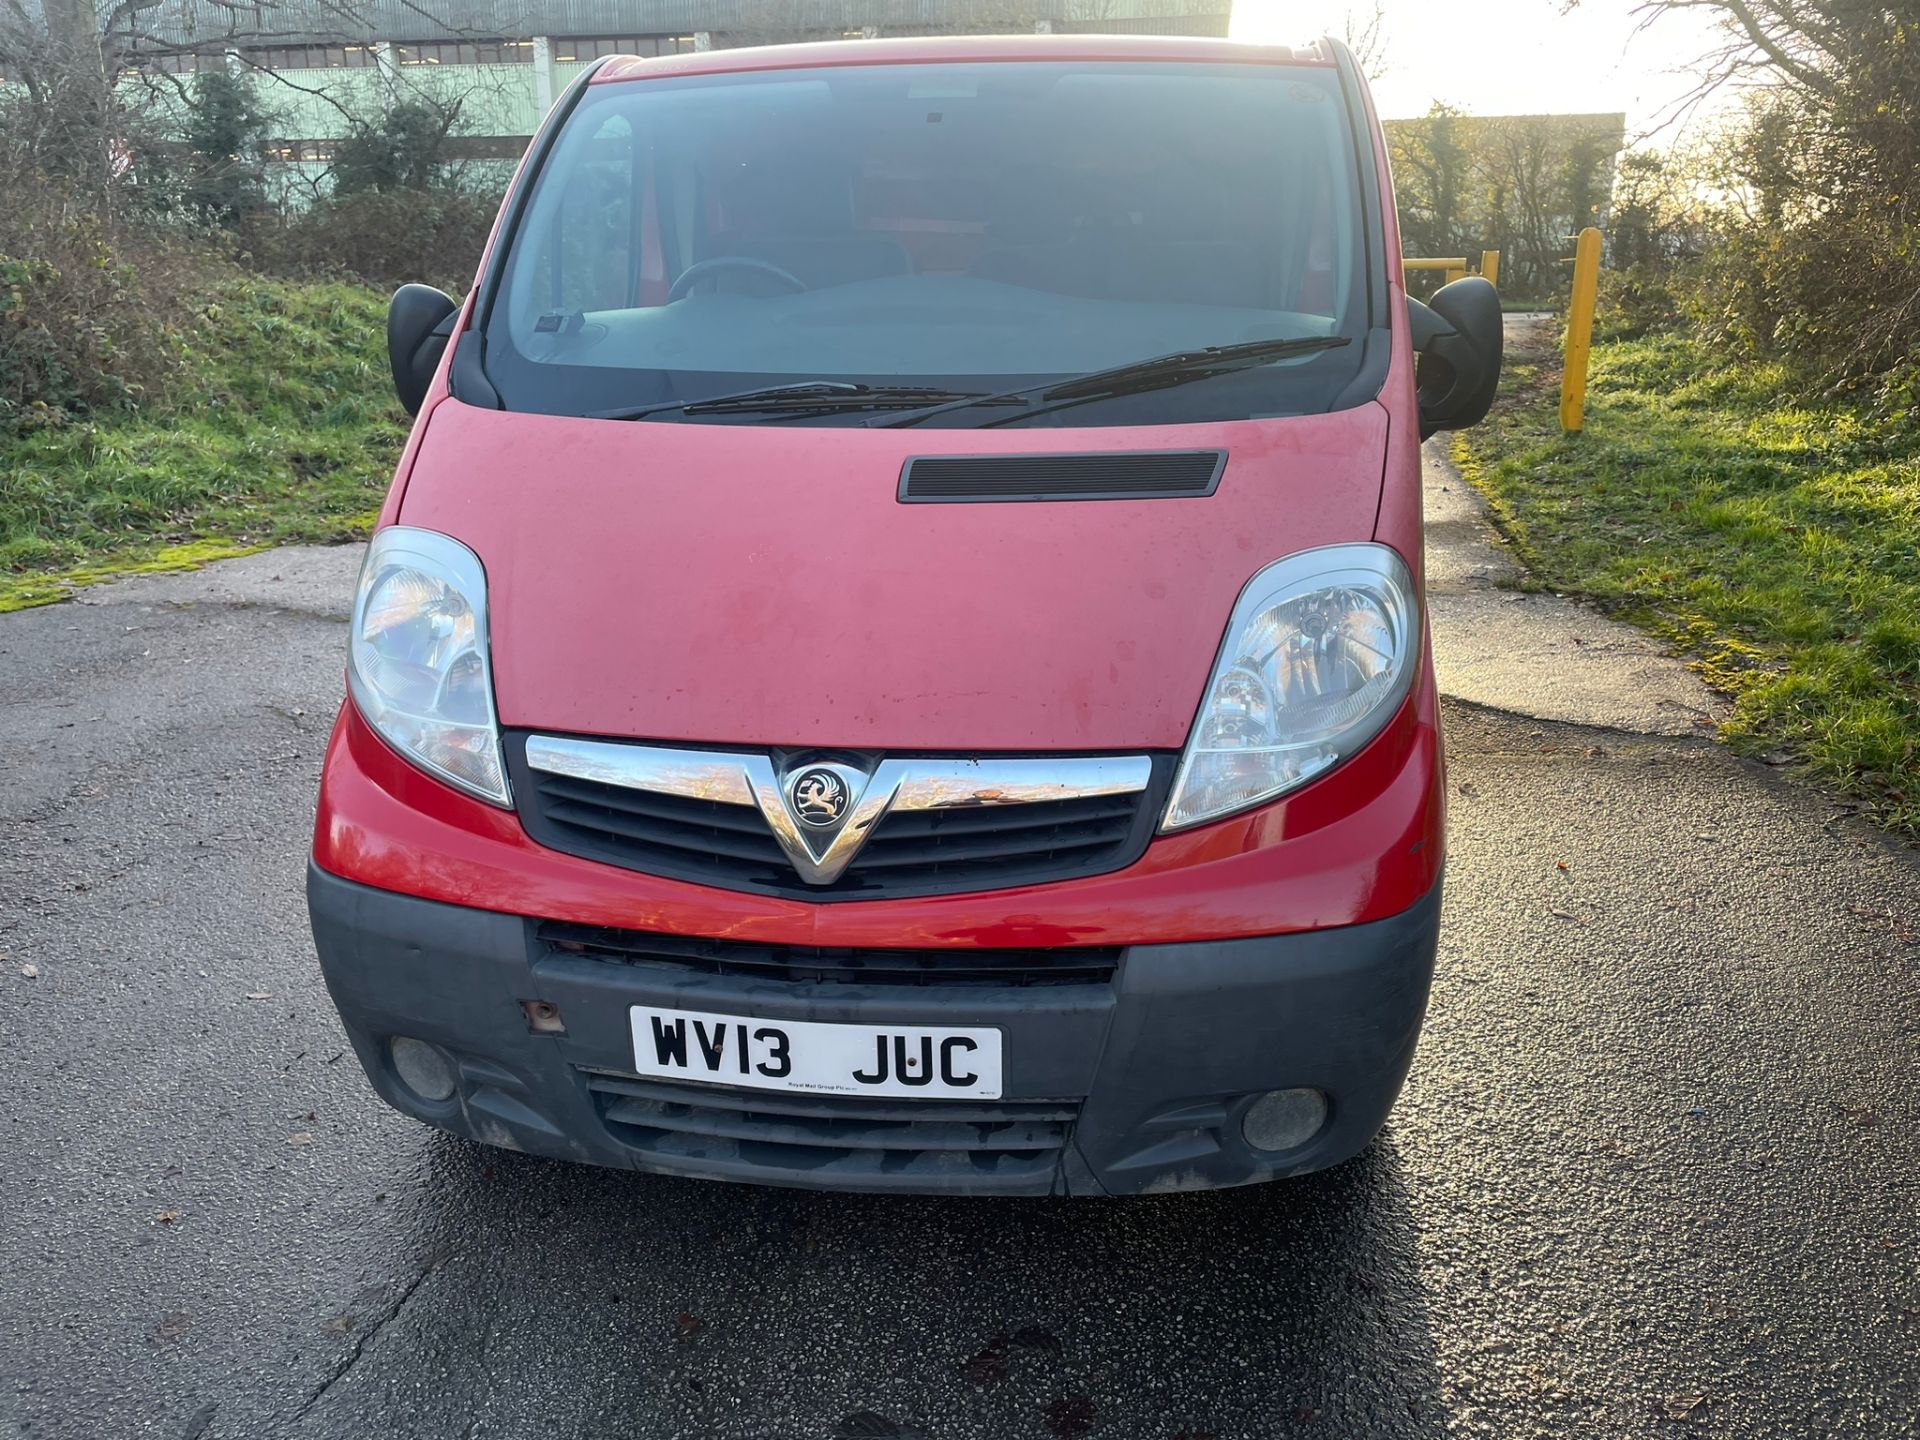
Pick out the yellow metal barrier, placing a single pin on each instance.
(1586, 290)
(1455, 268)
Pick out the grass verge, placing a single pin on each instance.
(284, 429)
(1773, 539)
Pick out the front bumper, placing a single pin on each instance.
(1130, 1086)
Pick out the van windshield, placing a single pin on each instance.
(957, 229)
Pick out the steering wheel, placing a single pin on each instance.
(701, 269)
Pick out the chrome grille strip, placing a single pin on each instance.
(943, 783)
(695, 774)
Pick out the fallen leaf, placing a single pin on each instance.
(1679, 1407)
(1560, 865)
(30, 971)
(171, 1327)
(166, 1217)
(1032, 1337)
(1069, 1416)
(1560, 914)
(340, 1324)
(200, 1420)
(990, 1365)
(1303, 1414)
(866, 1425)
(687, 1325)
(300, 1137)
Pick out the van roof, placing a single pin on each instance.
(961, 48)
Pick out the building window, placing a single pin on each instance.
(310, 57)
(458, 147)
(290, 152)
(464, 52)
(486, 147)
(568, 49)
(181, 64)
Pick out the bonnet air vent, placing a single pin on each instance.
(1149, 475)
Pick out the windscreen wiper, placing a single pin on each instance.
(804, 397)
(1161, 372)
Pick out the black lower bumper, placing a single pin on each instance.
(1134, 1085)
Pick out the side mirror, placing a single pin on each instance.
(419, 324)
(1459, 339)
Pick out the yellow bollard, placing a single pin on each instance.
(1490, 267)
(1586, 289)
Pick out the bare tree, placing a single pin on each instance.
(100, 77)
(1434, 168)
(1364, 30)
(1831, 163)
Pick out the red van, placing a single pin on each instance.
(895, 655)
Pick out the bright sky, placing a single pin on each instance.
(1497, 57)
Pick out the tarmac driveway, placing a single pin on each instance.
(1656, 1169)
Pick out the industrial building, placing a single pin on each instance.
(322, 62)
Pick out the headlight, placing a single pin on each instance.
(1319, 654)
(418, 668)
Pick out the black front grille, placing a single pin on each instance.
(647, 831)
(928, 852)
(1012, 1145)
(815, 964)
(996, 844)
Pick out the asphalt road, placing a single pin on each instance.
(1656, 1169)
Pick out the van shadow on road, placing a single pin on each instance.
(1654, 1168)
(645, 1305)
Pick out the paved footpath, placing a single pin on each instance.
(1656, 1170)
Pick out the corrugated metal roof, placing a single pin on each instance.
(184, 21)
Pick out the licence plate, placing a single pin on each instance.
(914, 1062)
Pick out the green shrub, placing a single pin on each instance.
(92, 313)
(406, 147)
(379, 237)
(1639, 301)
(1840, 293)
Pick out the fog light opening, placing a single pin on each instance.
(425, 1069)
(1284, 1119)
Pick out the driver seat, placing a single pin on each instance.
(798, 215)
